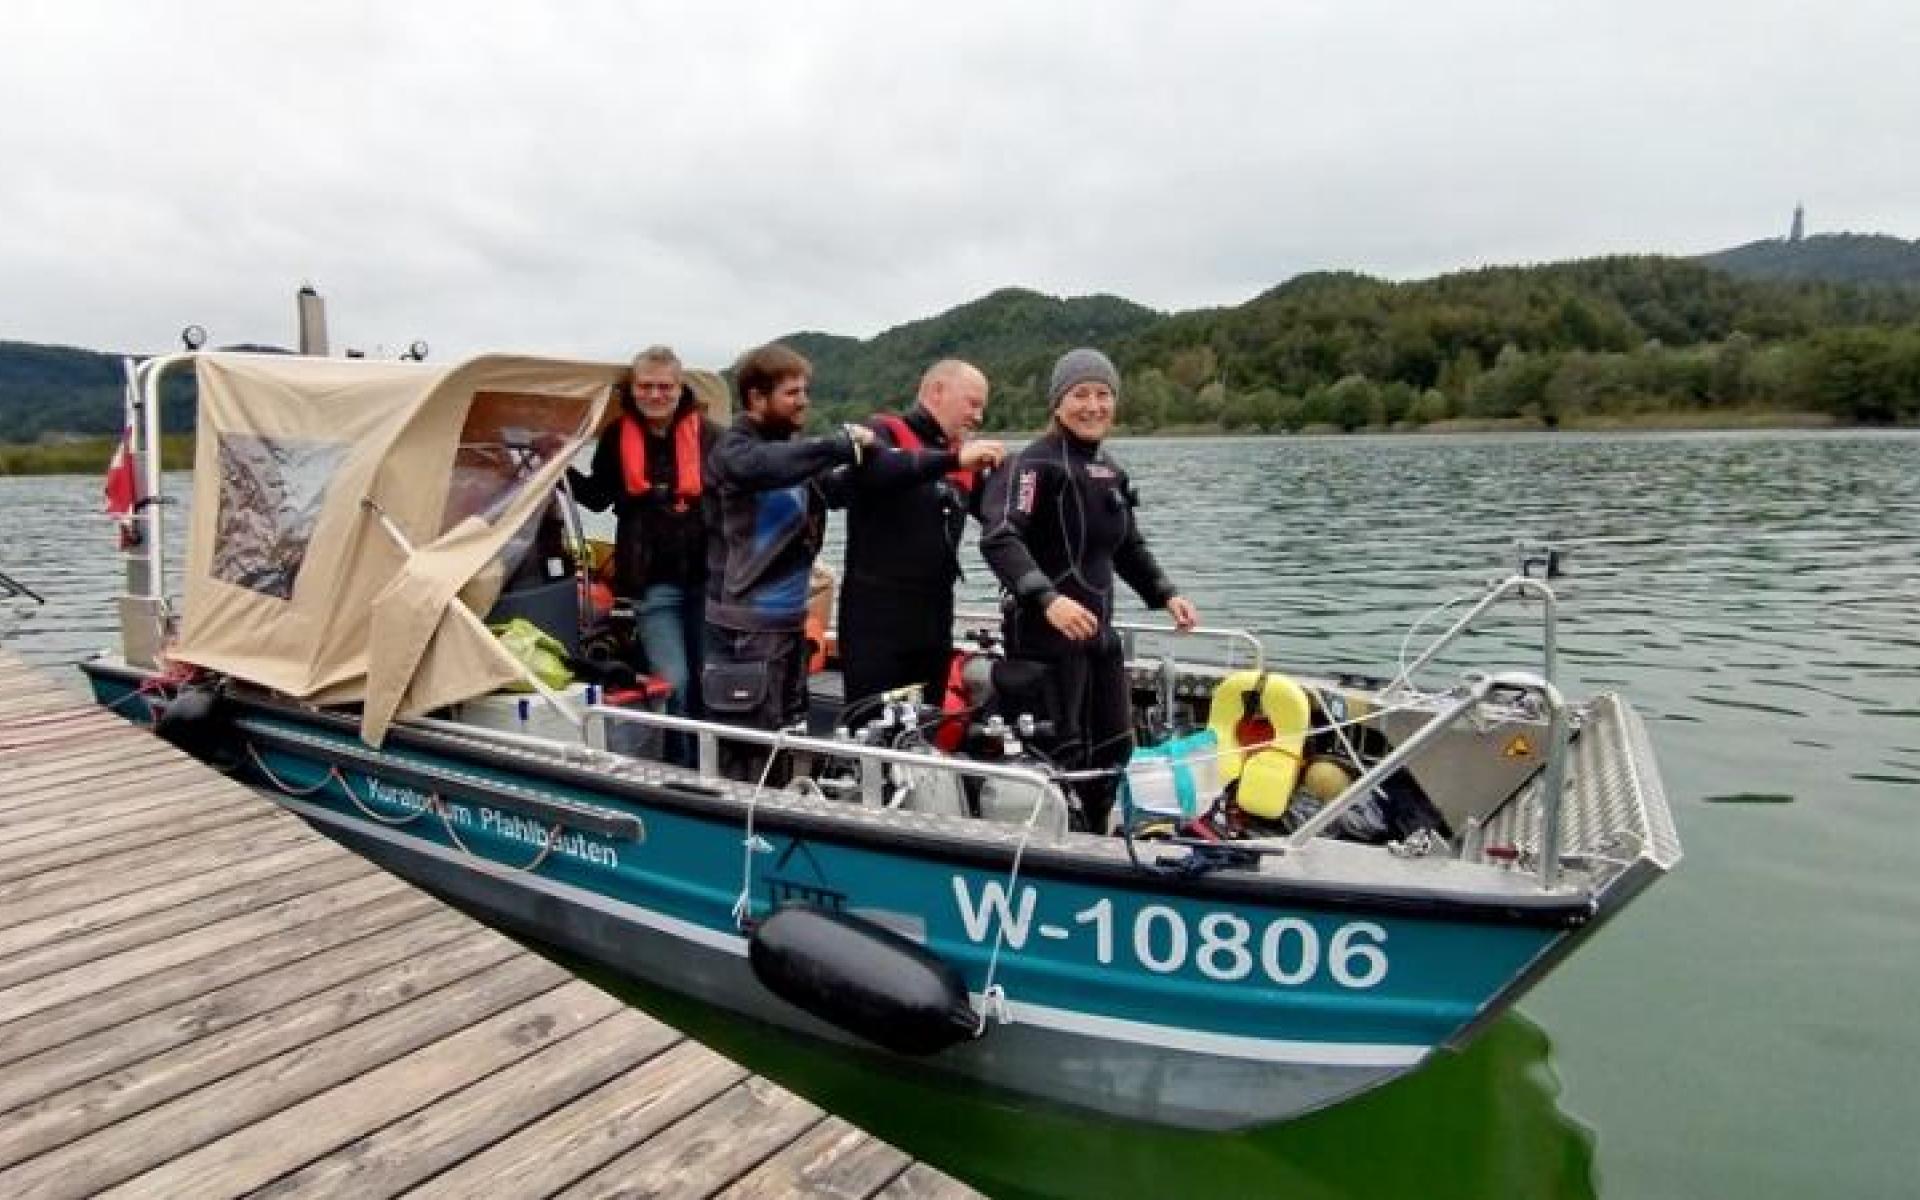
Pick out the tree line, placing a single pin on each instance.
(1607, 340)
(1603, 340)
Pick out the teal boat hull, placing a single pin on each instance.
(1213, 1000)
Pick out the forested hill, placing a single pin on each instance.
(1012, 334)
(1608, 337)
(1833, 257)
(57, 389)
(1608, 340)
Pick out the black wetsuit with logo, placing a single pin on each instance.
(1059, 521)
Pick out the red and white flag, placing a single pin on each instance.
(122, 488)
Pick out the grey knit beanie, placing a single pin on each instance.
(1077, 367)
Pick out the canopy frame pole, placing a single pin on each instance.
(144, 402)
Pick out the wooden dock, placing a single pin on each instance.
(200, 996)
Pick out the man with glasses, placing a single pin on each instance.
(647, 465)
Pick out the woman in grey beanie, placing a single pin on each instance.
(1059, 527)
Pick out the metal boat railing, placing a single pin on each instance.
(1130, 631)
(1477, 690)
(1521, 585)
(597, 716)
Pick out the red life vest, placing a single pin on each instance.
(686, 457)
(905, 438)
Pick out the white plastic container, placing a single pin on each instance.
(1177, 778)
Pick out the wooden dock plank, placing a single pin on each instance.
(136, 871)
(921, 1182)
(160, 828)
(109, 860)
(575, 1141)
(201, 996)
(76, 786)
(271, 1147)
(276, 1009)
(75, 819)
(66, 939)
(834, 1161)
(55, 1008)
(33, 779)
(151, 1137)
(106, 822)
(716, 1143)
(452, 1129)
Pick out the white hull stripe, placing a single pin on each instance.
(1220, 1045)
(1064, 1020)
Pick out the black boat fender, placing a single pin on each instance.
(863, 978)
(198, 722)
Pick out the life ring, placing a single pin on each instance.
(1261, 721)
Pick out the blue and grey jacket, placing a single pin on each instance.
(766, 518)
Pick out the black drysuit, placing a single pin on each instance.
(1058, 522)
(905, 518)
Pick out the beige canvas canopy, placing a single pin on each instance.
(292, 581)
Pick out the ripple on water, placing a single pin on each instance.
(1705, 569)
(1748, 705)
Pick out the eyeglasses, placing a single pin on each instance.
(656, 387)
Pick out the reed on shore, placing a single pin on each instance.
(86, 456)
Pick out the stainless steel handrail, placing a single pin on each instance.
(1521, 584)
(146, 380)
(600, 713)
(1223, 633)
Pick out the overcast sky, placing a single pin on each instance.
(586, 178)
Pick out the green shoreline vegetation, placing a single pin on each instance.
(86, 455)
(1619, 343)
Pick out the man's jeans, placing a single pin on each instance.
(670, 621)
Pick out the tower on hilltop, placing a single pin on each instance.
(1799, 223)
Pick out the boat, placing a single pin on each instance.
(1315, 884)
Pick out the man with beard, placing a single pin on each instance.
(766, 519)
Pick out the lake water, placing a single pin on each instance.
(1744, 1029)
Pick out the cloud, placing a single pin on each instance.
(585, 178)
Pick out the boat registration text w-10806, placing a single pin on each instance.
(1226, 946)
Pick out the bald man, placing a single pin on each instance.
(907, 508)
